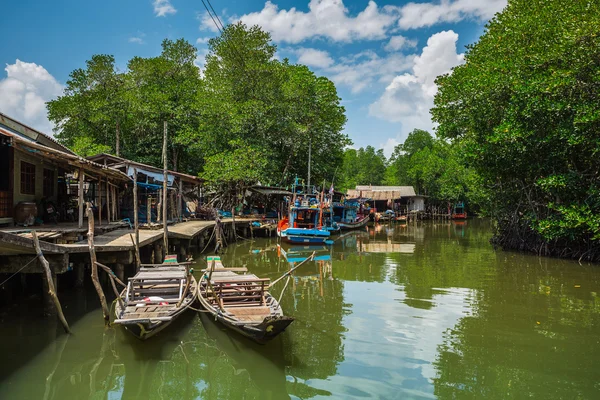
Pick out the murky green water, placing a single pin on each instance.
(427, 311)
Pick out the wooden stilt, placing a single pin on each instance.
(135, 210)
(51, 286)
(80, 274)
(159, 207)
(94, 267)
(108, 194)
(149, 209)
(138, 262)
(99, 202)
(180, 200)
(80, 198)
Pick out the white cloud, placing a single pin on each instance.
(162, 8)
(326, 18)
(366, 68)
(138, 39)
(399, 42)
(419, 15)
(409, 97)
(202, 40)
(25, 91)
(313, 57)
(389, 146)
(207, 23)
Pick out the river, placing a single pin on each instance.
(407, 312)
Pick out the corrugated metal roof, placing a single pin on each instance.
(116, 162)
(270, 191)
(405, 191)
(29, 145)
(14, 126)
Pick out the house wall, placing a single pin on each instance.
(416, 204)
(40, 165)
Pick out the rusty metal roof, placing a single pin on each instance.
(29, 145)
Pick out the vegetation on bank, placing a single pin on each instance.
(525, 110)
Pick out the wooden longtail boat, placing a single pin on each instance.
(155, 296)
(241, 302)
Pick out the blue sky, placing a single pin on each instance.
(383, 56)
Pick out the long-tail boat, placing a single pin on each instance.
(155, 296)
(241, 302)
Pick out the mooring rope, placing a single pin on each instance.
(22, 268)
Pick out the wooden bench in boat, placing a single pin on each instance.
(240, 290)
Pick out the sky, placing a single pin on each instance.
(383, 56)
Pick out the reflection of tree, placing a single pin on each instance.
(533, 334)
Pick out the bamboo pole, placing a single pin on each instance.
(94, 266)
(135, 210)
(164, 205)
(51, 286)
(80, 198)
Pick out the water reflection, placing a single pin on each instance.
(411, 311)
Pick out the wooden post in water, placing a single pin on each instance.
(51, 286)
(80, 198)
(94, 267)
(164, 199)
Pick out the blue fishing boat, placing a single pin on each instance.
(349, 214)
(306, 222)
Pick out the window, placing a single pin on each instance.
(48, 182)
(27, 178)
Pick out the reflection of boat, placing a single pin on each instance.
(154, 297)
(265, 366)
(388, 215)
(241, 302)
(401, 218)
(300, 253)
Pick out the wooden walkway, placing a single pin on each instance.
(119, 240)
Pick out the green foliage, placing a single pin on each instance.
(85, 146)
(524, 108)
(365, 166)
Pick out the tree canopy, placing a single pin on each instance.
(524, 108)
(246, 117)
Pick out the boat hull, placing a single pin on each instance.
(262, 333)
(355, 225)
(147, 328)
